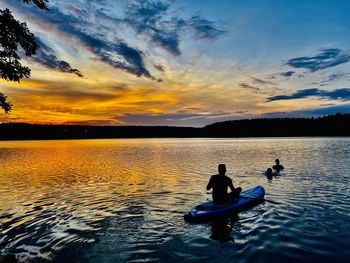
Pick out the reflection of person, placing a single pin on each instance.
(278, 167)
(221, 228)
(220, 182)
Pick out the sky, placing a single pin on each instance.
(182, 63)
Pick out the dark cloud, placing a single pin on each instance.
(331, 78)
(203, 28)
(250, 87)
(338, 94)
(133, 59)
(328, 104)
(115, 52)
(287, 74)
(325, 59)
(193, 108)
(152, 18)
(262, 82)
(338, 76)
(93, 23)
(146, 17)
(159, 67)
(119, 54)
(46, 57)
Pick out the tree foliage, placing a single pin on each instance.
(15, 34)
(4, 104)
(12, 34)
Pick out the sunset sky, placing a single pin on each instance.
(184, 63)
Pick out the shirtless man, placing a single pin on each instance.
(219, 183)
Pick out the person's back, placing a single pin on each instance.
(220, 183)
(278, 167)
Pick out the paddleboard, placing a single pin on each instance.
(208, 210)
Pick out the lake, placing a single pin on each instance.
(123, 200)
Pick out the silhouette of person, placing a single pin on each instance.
(278, 167)
(220, 182)
(269, 173)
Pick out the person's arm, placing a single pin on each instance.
(230, 184)
(210, 184)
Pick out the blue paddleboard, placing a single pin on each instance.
(209, 209)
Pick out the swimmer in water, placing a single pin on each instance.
(278, 167)
(269, 173)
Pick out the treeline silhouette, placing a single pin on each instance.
(335, 125)
(332, 125)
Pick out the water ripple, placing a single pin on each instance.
(124, 200)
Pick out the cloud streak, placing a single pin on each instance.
(287, 74)
(327, 58)
(153, 19)
(93, 23)
(114, 52)
(338, 94)
(201, 28)
(46, 57)
(249, 87)
(261, 81)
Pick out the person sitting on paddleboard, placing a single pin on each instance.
(220, 182)
(278, 167)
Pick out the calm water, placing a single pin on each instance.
(124, 200)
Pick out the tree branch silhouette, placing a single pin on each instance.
(13, 34)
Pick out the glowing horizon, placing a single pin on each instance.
(181, 62)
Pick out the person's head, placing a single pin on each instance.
(222, 168)
(269, 173)
(277, 161)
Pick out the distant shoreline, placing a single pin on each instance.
(329, 126)
(151, 138)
